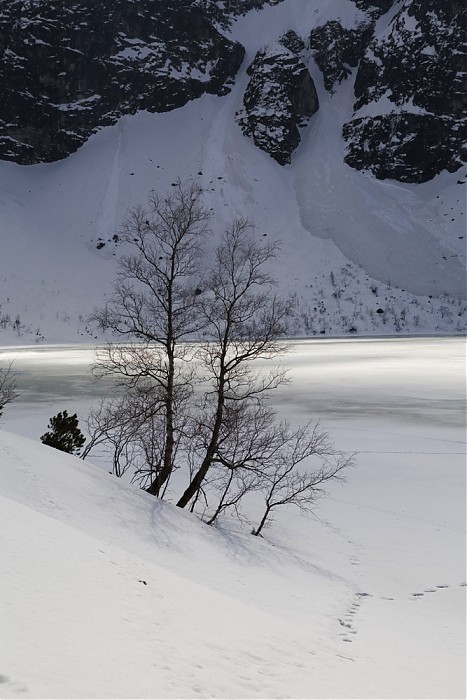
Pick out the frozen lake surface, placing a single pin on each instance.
(397, 379)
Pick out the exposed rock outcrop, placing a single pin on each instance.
(411, 95)
(375, 8)
(293, 42)
(224, 12)
(67, 69)
(337, 50)
(280, 98)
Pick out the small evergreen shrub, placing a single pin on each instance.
(64, 433)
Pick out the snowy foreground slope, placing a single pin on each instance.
(358, 255)
(109, 593)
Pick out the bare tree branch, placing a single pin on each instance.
(8, 392)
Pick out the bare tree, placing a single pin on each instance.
(259, 453)
(233, 485)
(115, 424)
(203, 406)
(131, 427)
(155, 301)
(8, 393)
(297, 472)
(243, 319)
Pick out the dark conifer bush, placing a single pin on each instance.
(64, 433)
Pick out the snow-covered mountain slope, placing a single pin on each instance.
(358, 255)
(107, 592)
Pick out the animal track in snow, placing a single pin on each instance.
(438, 587)
(347, 622)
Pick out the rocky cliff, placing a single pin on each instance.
(280, 98)
(410, 89)
(69, 68)
(337, 49)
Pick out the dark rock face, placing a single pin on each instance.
(280, 98)
(224, 11)
(411, 95)
(67, 68)
(336, 50)
(375, 8)
(293, 42)
(405, 147)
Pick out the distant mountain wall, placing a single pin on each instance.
(67, 69)
(70, 68)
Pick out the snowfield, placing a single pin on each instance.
(107, 592)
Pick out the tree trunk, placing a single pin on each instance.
(211, 450)
(263, 521)
(155, 487)
(222, 500)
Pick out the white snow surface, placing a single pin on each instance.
(408, 241)
(107, 592)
